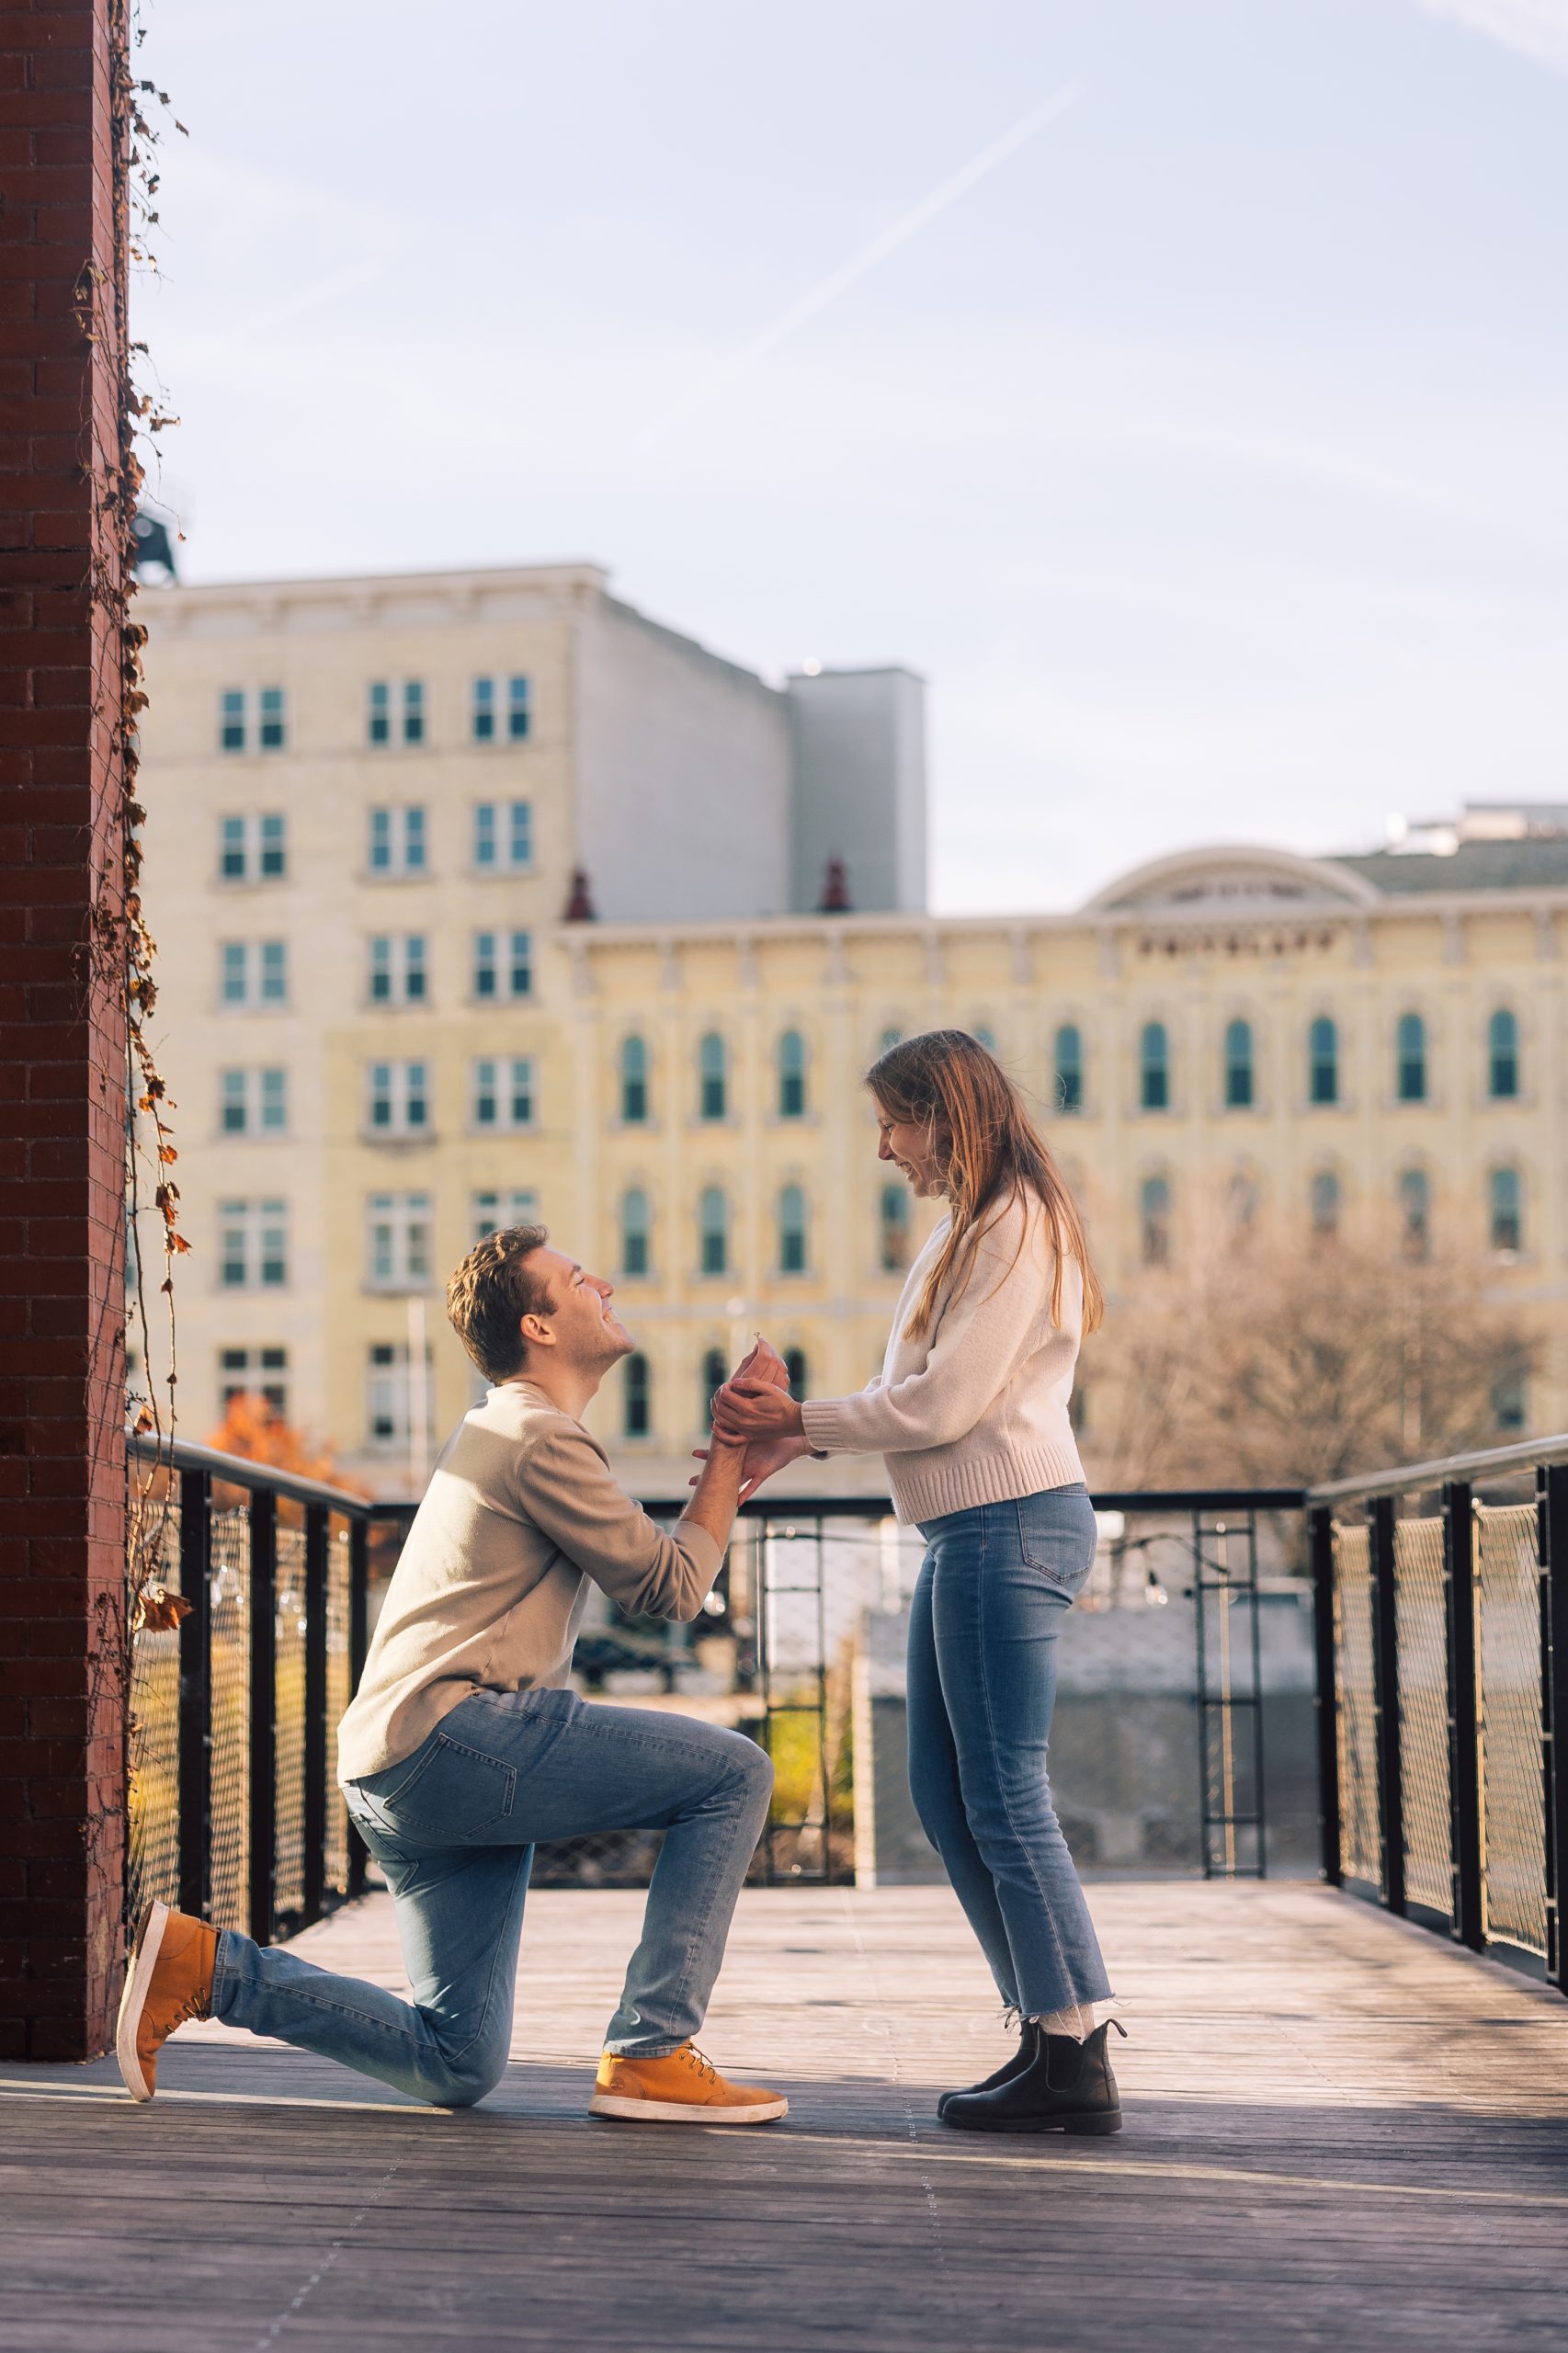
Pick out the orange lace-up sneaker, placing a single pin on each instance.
(169, 1980)
(683, 2088)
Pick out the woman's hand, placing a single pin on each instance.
(763, 1458)
(761, 1363)
(752, 1409)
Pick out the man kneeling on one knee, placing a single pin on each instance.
(464, 1743)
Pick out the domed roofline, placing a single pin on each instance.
(1160, 880)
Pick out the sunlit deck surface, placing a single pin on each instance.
(1339, 2133)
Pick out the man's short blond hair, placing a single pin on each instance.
(490, 1293)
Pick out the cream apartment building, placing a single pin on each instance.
(481, 896)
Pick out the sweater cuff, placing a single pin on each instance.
(826, 1424)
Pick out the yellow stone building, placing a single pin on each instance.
(373, 802)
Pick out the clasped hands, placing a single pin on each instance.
(754, 1411)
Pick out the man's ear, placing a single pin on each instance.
(538, 1337)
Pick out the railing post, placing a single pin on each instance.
(359, 1643)
(764, 1683)
(1464, 1729)
(1326, 1699)
(263, 1760)
(194, 1693)
(318, 1538)
(1551, 1487)
(1386, 1686)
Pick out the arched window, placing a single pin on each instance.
(713, 1074)
(1068, 1056)
(714, 1231)
(791, 1230)
(1325, 1198)
(633, 1080)
(1510, 1397)
(1155, 1216)
(1502, 1056)
(1505, 1203)
(1415, 1211)
(792, 1075)
(1238, 1065)
(795, 1366)
(715, 1372)
(892, 1228)
(635, 1225)
(1410, 1059)
(637, 1397)
(1154, 1067)
(1322, 1061)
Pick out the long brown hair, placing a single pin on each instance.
(945, 1079)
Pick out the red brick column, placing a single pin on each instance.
(61, 1031)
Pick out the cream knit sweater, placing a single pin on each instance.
(975, 1411)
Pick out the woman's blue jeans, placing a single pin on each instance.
(992, 1594)
(453, 1828)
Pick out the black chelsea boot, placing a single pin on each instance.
(1067, 2086)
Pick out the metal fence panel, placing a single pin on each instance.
(152, 1851)
(231, 1719)
(1513, 1798)
(288, 1738)
(1358, 1720)
(1421, 1592)
(339, 1691)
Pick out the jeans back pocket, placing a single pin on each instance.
(453, 1791)
(1058, 1536)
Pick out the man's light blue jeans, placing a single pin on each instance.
(453, 1828)
(992, 1594)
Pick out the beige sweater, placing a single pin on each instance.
(521, 1512)
(975, 1411)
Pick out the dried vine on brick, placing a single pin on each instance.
(121, 951)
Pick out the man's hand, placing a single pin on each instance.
(764, 1369)
(763, 1458)
(762, 1361)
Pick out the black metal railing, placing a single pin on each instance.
(1441, 1602)
(775, 1596)
(1216, 1532)
(1439, 1593)
(235, 1811)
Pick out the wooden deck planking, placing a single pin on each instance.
(1340, 2133)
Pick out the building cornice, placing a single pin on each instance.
(740, 932)
(367, 597)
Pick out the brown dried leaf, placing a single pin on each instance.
(158, 1608)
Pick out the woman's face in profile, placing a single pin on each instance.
(917, 1146)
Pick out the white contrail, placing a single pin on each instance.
(887, 241)
(1536, 28)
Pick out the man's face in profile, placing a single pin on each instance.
(588, 1334)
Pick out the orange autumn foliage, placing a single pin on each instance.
(253, 1430)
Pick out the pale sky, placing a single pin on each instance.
(1180, 385)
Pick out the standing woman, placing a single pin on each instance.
(970, 1410)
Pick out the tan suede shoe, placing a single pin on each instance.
(683, 2088)
(169, 1980)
